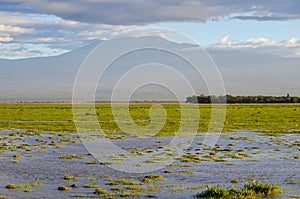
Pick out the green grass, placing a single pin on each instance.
(90, 186)
(71, 156)
(100, 191)
(235, 180)
(186, 171)
(69, 177)
(36, 183)
(79, 196)
(122, 181)
(268, 118)
(250, 190)
(152, 178)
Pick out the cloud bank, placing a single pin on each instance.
(59, 26)
(134, 12)
(284, 48)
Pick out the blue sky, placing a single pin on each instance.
(212, 31)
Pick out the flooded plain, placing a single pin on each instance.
(57, 165)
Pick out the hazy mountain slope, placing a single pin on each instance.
(244, 73)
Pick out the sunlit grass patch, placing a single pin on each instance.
(69, 177)
(152, 178)
(235, 180)
(79, 195)
(36, 183)
(186, 171)
(100, 191)
(296, 156)
(92, 162)
(90, 186)
(190, 158)
(250, 190)
(71, 156)
(64, 188)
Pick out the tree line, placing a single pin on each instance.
(205, 99)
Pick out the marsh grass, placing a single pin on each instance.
(186, 171)
(250, 190)
(79, 195)
(64, 188)
(74, 186)
(128, 194)
(179, 187)
(190, 158)
(71, 156)
(273, 119)
(69, 177)
(152, 178)
(100, 191)
(290, 181)
(296, 144)
(37, 183)
(296, 156)
(92, 162)
(123, 181)
(91, 178)
(117, 189)
(90, 186)
(234, 181)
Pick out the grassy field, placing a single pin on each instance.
(270, 118)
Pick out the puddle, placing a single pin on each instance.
(26, 157)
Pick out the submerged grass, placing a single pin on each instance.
(250, 190)
(268, 118)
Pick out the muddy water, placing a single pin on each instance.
(243, 156)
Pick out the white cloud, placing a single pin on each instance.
(19, 51)
(63, 35)
(224, 40)
(6, 39)
(14, 29)
(7, 32)
(15, 50)
(285, 48)
(255, 43)
(73, 24)
(292, 42)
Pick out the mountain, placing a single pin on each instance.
(52, 78)
(41, 78)
(243, 72)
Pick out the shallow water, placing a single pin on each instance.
(268, 158)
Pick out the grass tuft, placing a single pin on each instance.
(63, 188)
(100, 191)
(250, 190)
(152, 178)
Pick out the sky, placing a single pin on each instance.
(34, 28)
(255, 43)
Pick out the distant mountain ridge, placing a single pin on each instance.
(41, 77)
(52, 78)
